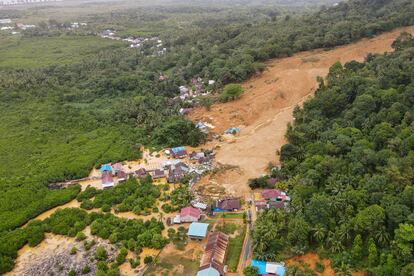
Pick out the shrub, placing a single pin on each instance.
(231, 92)
(148, 259)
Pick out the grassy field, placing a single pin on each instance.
(34, 52)
(234, 250)
(173, 264)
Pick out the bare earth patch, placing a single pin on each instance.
(266, 107)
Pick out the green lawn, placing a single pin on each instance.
(234, 250)
(34, 52)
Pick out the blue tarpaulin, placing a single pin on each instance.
(261, 266)
(106, 168)
(232, 130)
(177, 149)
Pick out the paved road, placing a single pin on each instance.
(247, 247)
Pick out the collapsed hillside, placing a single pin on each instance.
(266, 107)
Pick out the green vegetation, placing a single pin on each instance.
(234, 249)
(134, 234)
(231, 92)
(67, 221)
(180, 197)
(133, 195)
(250, 271)
(227, 228)
(178, 238)
(349, 169)
(70, 101)
(36, 52)
(131, 234)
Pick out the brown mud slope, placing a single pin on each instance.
(265, 109)
(310, 260)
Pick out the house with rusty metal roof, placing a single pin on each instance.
(229, 204)
(212, 262)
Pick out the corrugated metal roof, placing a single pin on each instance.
(198, 229)
(210, 271)
(106, 167)
(190, 211)
(215, 251)
(177, 149)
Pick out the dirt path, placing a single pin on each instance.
(265, 109)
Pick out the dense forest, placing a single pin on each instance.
(60, 119)
(349, 167)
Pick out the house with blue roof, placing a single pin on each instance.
(106, 168)
(269, 268)
(209, 271)
(197, 230)
(179, 152)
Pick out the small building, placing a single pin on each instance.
(176, 219)
(275, 195)
(205, 160)
(158, 173)
(117, 167)
(269, 268)
(141, 173)
(106, 168)
(178, 152)
(275, 269)
(199, 205)
(229, 204)
(183, 90)
(107, 180)
(209, 271)
(122, 176)
(197, 230)
(190, 214)
(196, 155)
(212, 262)
(177, 172)
(260, 205)
(185, 111)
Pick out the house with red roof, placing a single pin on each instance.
(190, 214)
(275, 195)
(122, 176)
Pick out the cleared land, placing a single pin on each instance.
(266, 107)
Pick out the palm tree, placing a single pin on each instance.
(381, 235)
(344, 232)
(319, 233)
(344, 270)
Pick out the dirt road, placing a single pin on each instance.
(265, 109)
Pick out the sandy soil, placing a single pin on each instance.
(265, 109)
(311, 259)
(53, 252)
